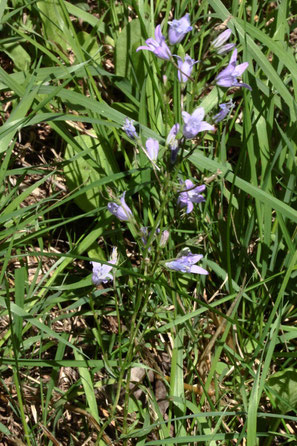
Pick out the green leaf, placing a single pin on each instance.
(126, 57)
(283, 389)
(4, 429)
(18, 55)
(89, 45)
(81, 171)
(88, 386)
(52, 19)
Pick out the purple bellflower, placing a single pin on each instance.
(173, 142)
(157, 45)
(101, 272)
(186, 264)
(218, 43)
(225, 110)
(122, 212)
(152, 149)
(193, 123)
(185, 67)
(190, 195)
(228, 77)
(129, 129)
(178, 29)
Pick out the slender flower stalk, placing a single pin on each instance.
(122, 211)
(190, 195)
(178, 29)
(157, 46)
(101, 272)
(228, 77)
(194, 124)
(186, 264)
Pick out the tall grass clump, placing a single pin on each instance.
(148, 223)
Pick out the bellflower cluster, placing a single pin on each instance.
(190, 195)
(194, 124)
(178, 29)
(228, 77)
(225, 110)
(101, 272)
(218, 43)
(185, 67)
(186, 264)
(122, 211)
(157, 46)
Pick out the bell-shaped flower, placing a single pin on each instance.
(152, 149)
(218, 43)
(101, 272)
(185, 67)
(157, 46)
(190, 195)
(178, 29)
(186, 264)
(122, 211)
(129, 129)
(228, 77)
(194, 124)
(225, 110)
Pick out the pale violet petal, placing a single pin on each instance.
(198, 270)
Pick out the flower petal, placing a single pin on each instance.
(198, 114)
(190, 207)
(186, 116)
(205, 126)
(240, 69)
(198, 270)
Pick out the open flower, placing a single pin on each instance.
(190, 195)
(122, 211)
(157, 45)
(218, 43)
(185, 67)
(194, 124)
(228, 77)
(152, 148)
(101, 272)
(186, 264)
(129, 129)
(225, 109)
(178, 29)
